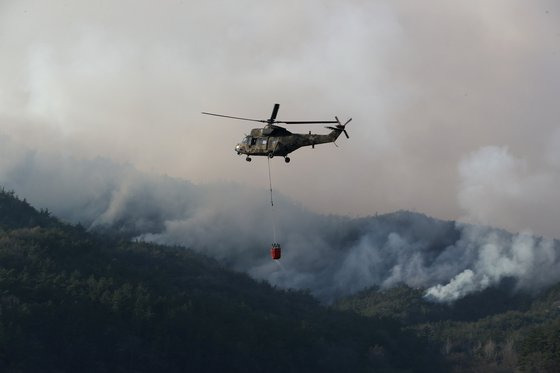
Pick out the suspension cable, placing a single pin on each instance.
(271, 202)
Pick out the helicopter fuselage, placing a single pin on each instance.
(277, 141)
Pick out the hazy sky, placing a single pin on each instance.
(455, 104)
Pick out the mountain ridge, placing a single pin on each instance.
(72, 297)
(74, 300)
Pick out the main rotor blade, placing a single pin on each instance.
(274, 113)
(308, 122)
(228, 116)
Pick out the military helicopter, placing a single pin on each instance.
(273, 140)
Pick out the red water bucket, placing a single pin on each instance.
(275, 251)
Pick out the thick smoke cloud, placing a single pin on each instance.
(496, 186)
(332, 256)
(427, 84)
(489, 256)
(455, 115)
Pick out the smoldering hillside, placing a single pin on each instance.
(332, 256)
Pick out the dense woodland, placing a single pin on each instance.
(72, 300)
(495, 330)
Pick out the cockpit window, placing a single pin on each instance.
(246, 140)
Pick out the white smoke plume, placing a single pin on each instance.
(495, 255)
(496, 186)
(332, 256)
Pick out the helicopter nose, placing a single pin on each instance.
(237, 148)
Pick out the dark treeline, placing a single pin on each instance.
(75, 301)
(495, 330)
(71, 300)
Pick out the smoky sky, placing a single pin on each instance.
(454, 104)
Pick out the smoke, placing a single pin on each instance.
(498, 188)
(99, 98)
(426, 84)
(533, 262)
(330, 255)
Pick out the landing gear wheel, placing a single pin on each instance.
(287, 159)
(248, 159)
(270, 155)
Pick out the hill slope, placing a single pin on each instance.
(16, 213)
(74, 301)
(494, 330)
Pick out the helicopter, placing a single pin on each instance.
(273, 140)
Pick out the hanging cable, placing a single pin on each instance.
(271, 203)
(270, 182)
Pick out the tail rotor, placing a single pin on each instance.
(341, 127)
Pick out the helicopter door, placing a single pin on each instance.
(272, 144)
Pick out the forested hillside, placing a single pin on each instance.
(75, 301)
(71, 300)
(495, 330)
